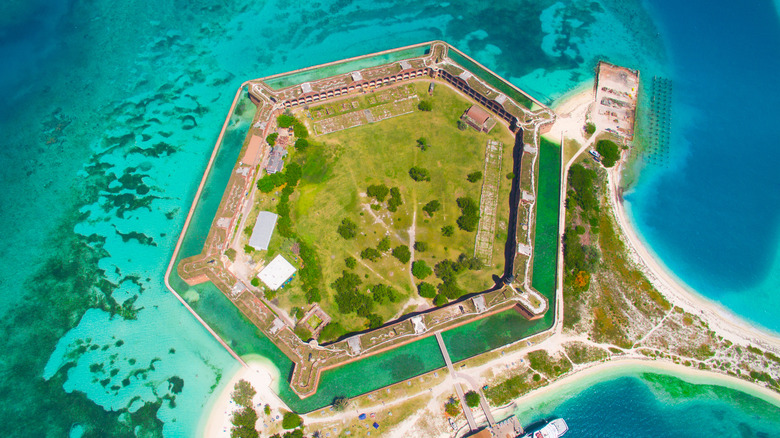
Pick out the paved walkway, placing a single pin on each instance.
(458, 389)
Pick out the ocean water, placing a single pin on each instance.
(109, 115)
(640, 404)
(712, 212)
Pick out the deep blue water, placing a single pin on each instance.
(654, 405)
(111, 109)
(713, 216)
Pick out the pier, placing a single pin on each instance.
(474, 385)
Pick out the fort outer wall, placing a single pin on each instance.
(204, 276)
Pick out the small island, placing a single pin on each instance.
(384, 201)
(374, 207)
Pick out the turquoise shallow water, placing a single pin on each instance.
(109, 116)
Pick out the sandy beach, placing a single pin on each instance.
(264, 377)
(615, 368)
(571, 110)
(720, 319)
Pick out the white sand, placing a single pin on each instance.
(615, 368)
(721, 320)
(571, 110)
(264, 377)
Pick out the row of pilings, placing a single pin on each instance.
(660, 122)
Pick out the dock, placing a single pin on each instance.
(474, 386)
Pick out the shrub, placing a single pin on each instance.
(383, 244)
(313, 296)
(381, 292)
(452, 407)
(378, 191)
(421, 270)
(374, 321)
(301, 144)
(230, 253)
(271, 139)
(370, 254)
(421, 246)
(423, 144)
(303, 333)
(255, 282)
(291, 420)
(474, 176)
(582, 182)
(244, 423)
(300, 131)
(610, 153)
(286, 120)
(447, 230)
(350, 262)
(248, 249)
(419, 174)
(440, 300)
(347, 229)
(331, 332)
(402, 253)
(510, 175)
(425, 105)
(462, 125)
(340, 403)
(268, 183)
(347, 298)
(432, 207)
(243, 393)
(590, 128)
(469, 218)
(395, 199)
(426, 290)
(472, 399)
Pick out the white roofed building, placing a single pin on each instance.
(276, 273)
(263, 230)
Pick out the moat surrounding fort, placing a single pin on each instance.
(509, 302)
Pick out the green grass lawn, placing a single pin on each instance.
(336, 177)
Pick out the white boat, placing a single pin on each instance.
(552, 429)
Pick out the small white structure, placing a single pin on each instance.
(405, 65)
(354, 345)
(277, 272)
(479, 303)
(523, 249)
(357, 76)
(306, 88)
(418, 324)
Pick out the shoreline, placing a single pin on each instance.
(264, 376)
(726, 323)
(633, 367)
